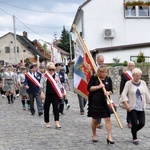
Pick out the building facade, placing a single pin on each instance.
(25, 49)
(114, 29)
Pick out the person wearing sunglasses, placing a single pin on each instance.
(50, 87)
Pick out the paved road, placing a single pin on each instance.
(19, 130)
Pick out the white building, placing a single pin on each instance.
(113, 29)
(59, 55)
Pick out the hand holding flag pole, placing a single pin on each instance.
(95, 70)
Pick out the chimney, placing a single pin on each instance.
(25, 34)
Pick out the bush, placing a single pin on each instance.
(141, 57)
(125, 63)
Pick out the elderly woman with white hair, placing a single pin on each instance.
(50, 90)
(135, 96)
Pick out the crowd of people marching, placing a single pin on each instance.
(47, 84)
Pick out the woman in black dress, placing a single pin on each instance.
(97, 104)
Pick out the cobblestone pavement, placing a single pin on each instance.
(19, 130)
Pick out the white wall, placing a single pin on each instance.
(57, 56)
(123, 55)
(99, 15)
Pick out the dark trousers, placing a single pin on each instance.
(82, 102)
(37, 96)
(55, 103)
(61, 105)
(2, 92)
(128, 117)
(138, 122)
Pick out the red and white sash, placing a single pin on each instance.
(53, 83)
(128, 75)
(33, 79)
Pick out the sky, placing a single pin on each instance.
(41, 19)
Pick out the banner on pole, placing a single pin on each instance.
(82, 70)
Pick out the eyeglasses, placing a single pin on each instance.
(103, 72)
(57, 65)
(51, 69)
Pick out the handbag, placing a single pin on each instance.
(109, 106)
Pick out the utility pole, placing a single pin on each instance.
(70, 46)
(16, 54)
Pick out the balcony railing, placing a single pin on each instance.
(133, 13)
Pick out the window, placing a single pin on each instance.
(17, 49)
(137, 10)
(143, 11)
(7, 49)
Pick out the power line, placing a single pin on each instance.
(37, 10)
(44, 26)
(22, 23)
(6, 12)
(30, 28)
(30, 24)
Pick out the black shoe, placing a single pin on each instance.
(40, 113)
(95, 140)
(136, 142)
(110, 142)
(62, 113)
(33, 113)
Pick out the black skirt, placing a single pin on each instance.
(98, 109)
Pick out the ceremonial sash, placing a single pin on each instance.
(128, 76)
(53, 83)
(33, 79)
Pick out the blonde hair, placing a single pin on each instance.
(51, 65)
(102, 68)
(136, 71)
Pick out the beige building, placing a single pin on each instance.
(25, 49)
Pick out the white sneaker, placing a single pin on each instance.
(48, 125)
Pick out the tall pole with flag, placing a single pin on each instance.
(87, 64)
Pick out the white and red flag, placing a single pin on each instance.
(82, 70)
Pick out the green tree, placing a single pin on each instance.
(65, 41)
(45, 46)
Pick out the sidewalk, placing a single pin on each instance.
(19, 130)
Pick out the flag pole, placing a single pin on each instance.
(95, 70)
(38, 62)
